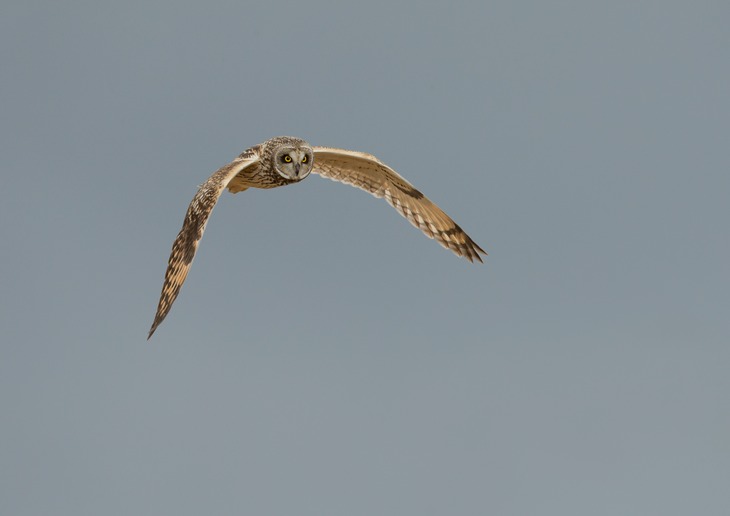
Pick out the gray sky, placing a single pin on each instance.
(324, 358)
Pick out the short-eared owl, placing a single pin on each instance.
(285, 160)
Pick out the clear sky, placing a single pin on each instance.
(324, 357)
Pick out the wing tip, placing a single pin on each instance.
(158, 320)
(471, 251)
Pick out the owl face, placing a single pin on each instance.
(293, 163)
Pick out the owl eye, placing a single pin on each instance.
(287, 159)
(304, 159)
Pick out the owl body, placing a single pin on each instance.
(286, 160)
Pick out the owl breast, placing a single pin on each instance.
(258, 176)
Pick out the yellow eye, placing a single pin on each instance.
(304, 159)
(287, 159)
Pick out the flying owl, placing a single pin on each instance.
(285, 160)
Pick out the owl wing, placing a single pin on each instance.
(196, 218)
(368, 173)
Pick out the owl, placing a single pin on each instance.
(286, 160)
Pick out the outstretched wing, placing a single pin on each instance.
(366, 172)
(186, 243)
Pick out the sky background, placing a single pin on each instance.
(324, 358)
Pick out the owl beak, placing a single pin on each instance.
(296, 169)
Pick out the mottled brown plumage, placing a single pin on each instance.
(286, 160)
(368, 173)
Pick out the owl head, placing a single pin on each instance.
(292, 159)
